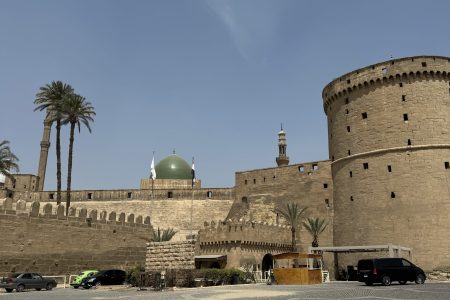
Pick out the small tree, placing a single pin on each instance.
(315, 227)
(162, 235)
(292, 214)
(8, 161)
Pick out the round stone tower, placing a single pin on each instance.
(389, 142)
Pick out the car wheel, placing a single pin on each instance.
(369, 283)
(38, 289)
(9, 290)
(49, 286)
(86, 287)
(420, 279)
(402, 281)
(76, 286)
(386, 280)
(98, 284)
(20, 288)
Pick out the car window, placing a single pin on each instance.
(406, 263)
(36, 276)
(365, 265)
(26, 276)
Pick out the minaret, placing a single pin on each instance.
(282, 159)
(45, 144)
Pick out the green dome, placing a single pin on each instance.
(173, 167)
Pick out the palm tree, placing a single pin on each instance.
(162, 235)
(315, 227)
(292, 214)
(8, 161)
(50, 98)
(74, 111)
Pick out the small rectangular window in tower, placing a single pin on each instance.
(348, 128)
(366, 166)
(50, 196)
(245, 181)
(349, 153)
(424, 64)
(346, 100)
(301, 169)
(332, 158)
(403, 97)
(405, 117)
(351, 198)
(169, 194)
(264, 179)
(315, 167)
(392, 195)
(254, 181)
(325, 185)
(351, 174)
(348, 81)
(409, 142)
(346, 111)
(389, 168)
(364, 115)
(447, 165)
(327, 203)
(129, 195)
(89, 196)
(401, 84)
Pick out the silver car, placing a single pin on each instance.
(23, 281)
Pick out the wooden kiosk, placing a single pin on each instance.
(297, 268)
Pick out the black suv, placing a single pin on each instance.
(104, 277)
(386, 270)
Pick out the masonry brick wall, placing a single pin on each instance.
(56, 245)
(260, 192)
(170, 255)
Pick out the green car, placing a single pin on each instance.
(77, 281)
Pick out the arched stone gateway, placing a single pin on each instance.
(267, 263)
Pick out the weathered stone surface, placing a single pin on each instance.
(170, 255)
(34, 209)
(47, 209)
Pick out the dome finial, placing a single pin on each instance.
(173, 152)
(281, 126)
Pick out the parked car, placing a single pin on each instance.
(23, 281)
(386, 270)
(104, 277)
(77, 281)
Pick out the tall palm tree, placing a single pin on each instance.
(50, 98)
(315, 227)
(8, 161)
(292, 214)
(75, 110)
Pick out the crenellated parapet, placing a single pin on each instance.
(246, 233)
(388, 72)
(91, 218)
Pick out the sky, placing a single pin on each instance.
(211, 79)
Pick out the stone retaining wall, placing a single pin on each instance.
(170, 256)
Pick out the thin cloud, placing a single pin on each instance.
(253, 26)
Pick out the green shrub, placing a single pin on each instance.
(133, 275)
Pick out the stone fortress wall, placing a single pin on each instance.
(389, 143)
(166, 207)
(260, 192)
(34, 238)
(245, 243)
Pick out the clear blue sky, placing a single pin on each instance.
(212, 79)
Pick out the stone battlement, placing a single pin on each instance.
(244, 232)
(91, 218)
(388, 72)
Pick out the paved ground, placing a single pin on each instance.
(334, 290)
